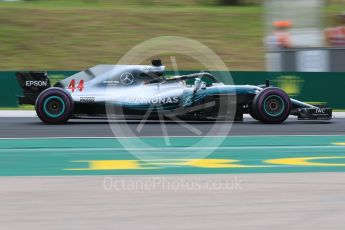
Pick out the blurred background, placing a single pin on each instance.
(246, 34)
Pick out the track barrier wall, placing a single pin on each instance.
(311, 87)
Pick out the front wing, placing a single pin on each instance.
(314, 114)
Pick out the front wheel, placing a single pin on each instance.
(271, 105)
(54, 106)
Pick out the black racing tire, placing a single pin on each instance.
(271, 105)
(54, 106)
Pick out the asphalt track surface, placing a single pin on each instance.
(32, 127)
(301, 201)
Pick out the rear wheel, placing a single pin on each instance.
(271, 105)
(54, 106)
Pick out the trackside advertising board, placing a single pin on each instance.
(315, 88)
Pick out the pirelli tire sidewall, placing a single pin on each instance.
(271, 105)
(54, 106)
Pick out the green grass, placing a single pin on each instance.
(60, 35)
(53, 36)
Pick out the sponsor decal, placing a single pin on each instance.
(154, 69)
(320, 111)
(36, 83)
(162, 100)
(111, 82)
(87, 99)
(187, 101)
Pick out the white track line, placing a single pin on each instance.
(171, 148)
(32, 113)
(144, 137)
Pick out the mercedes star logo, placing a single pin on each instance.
(126, 78)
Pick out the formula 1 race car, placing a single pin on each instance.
(143, 92)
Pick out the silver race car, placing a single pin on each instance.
(143, 92)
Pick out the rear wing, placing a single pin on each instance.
(32, 84)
